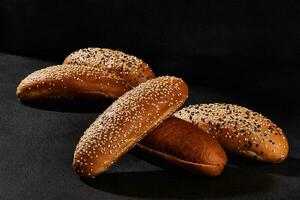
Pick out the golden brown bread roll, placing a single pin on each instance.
(70, 81)
(130, 69)
(239, 130)
(126, 122)
(86, 74)
(185, 145)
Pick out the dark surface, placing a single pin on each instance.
(37, 147)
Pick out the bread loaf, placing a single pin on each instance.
(185, 145)
(88, 73)
(70, 81)
(239, 130)
(126, 122)
(130, 69)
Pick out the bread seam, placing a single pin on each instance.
(176, 158)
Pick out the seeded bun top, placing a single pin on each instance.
(239, 130)
(126, 122)
(127, 67)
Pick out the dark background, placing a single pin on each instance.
(259, 29)
(227, 51)
(245, 44)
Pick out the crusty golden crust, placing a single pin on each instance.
(239, 130)
(87, 73)
(70, 81)
(127, 68)
(126, 122)
(187, 146)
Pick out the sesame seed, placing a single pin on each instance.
(127, 120)
(224, 120)
(129, 69)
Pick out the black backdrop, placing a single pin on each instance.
(163, 28)
(239, 44)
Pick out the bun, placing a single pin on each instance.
(185, 145)
(115, 74)
(126, 122)
(70, 81)
(130, 69)
(239, 130)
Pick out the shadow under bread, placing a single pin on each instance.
(289, 167)
(182, 185)
(73, 105)
(173, 182)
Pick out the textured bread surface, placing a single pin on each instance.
(239, 130)
(187, 146)
(70, 81)
(126, 122)
(127, 68)
(87, 73)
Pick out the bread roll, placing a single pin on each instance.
(70, 81)
(80, 77)
(185, 145)
(127, 68)
(239, 130)
(126, 122)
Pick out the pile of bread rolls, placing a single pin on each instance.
(146, 114)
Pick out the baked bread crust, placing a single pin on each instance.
(239, 130)
(126, 122)
(127, 68)
(87, 73)
(70, 81)
(187, 146)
